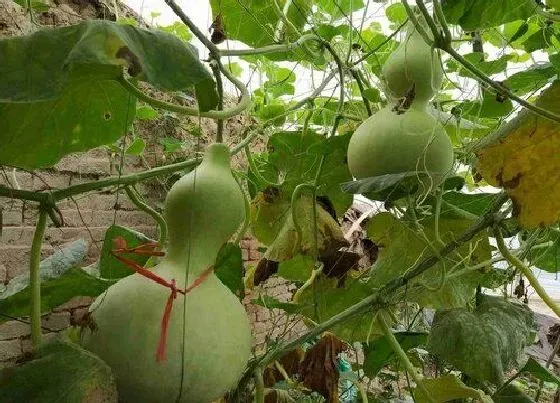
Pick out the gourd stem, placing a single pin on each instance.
(35, 277)
(315, 93)
(271, 48)
(340, 67)
(247, 221)
(361, 88)
(243, 104)
(308, 283)
(401, 355)
(429, 20)
(142, 205)
(417, 25)
(220, 105)
(442, 21)
(259, 385)
(526, 271)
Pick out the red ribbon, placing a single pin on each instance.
(160, 352)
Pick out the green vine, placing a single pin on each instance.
(35, 277)
(142, 205)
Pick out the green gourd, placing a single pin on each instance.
(203, 209)
(395, 141)
(414, 62)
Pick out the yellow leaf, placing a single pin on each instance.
(524, 158)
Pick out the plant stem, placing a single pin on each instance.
(315, 93)
(385, 41)
(417, 24)
(340, 67)
(247, 221)
(401, 355)
(259, 385)
(308, 283)
(243, 104)
(142, 205)
(220, 106)
(287, 47)
(35, 277)
(526, 271)
(361, 88)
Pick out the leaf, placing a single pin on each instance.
(178, 29)
(372, 94)
(396, 13)
(76, 103)
(473, 203)
(136, 147)
(511, 394)
(54, 292)
(521, 158)
(274, 112)
(539, 40)
(533, 367)
(490, 107)
(59, 372)
(171, 145)
(52, 267)
(327, 298)
(287, 245)
(488, 67)
(548, 257)
(319, 366)
(253, 22)
(273, 303)
(146, 112)
(388, 187)
(37, 6)
(449, 388)
(484, 343)
(472, 15)
(298, 268)
(339, 8)
(531, 79)
(229, 268)
(401, 247)
(109, 266)
(379, 353)
(293, 159)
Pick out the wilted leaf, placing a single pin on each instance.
(290, 362)
(522, 157)
(318, 369)
(59, 372)
(449, 388)
(484, 343)
(379, 352)
(402, 247)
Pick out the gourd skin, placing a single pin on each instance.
(203, 210)
(391, 143)
(413, 62)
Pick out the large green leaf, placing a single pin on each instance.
(403, 246)
(547, 256)
(59, 91)
(109, 266)
(59, 372)
(476, 14)
(52, 267)
(511, 394)
(379, 353)
(254, 22)
(540, 372)
(455, 203)
(54, 292)
(448, 388)
(229, 268)
(531, 79)
(339, 8)
(483, 343)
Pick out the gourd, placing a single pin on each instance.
(412, 63)
(206, 358)
(403, 136)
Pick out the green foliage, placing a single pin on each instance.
(77, 103)
(483, 343)
(54, 292)
(379, 353)
(511, 394)
(449, 388)
(59, 372)
(403, 246)
(229, 268)
(476, 14)
(109, 266)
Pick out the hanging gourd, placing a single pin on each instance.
(403, 136)
(203, 342)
